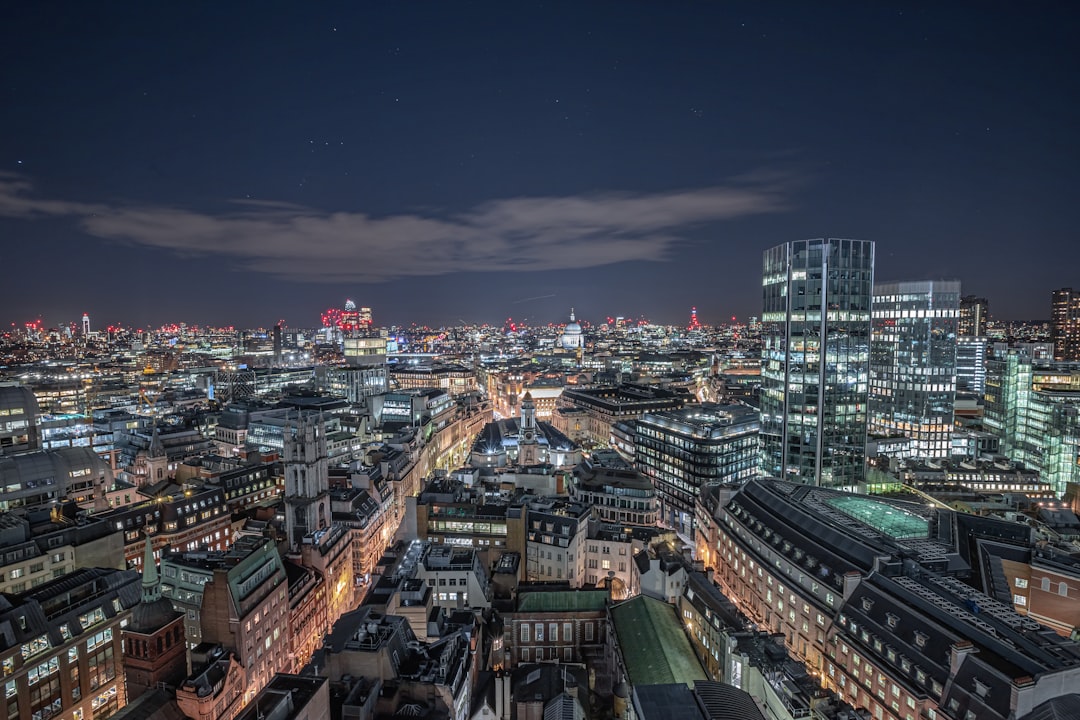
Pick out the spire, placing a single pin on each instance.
(572, 315)
(151, 589)
(157, 448)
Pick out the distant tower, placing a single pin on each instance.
(1065, 323)
(974, 312)
(85, 325)
(157, 460)
(307, 481)
(694, 324)
(277, 343)
(528, 443)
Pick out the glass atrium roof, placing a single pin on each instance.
(886, 519)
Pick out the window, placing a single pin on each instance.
(1020, 600)
(539, 632)
(1021, 582)
(526, 631)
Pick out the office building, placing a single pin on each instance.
(913, 363)
(18, 419)
(1033, 406)
(815, 360)
(974, 312)
(62, 648)
(603, 407)
(682, 450)
(1065, 323)
(971, 364)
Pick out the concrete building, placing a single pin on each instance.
(615, 489)
(44, 478)
(456, 576)
(555, 532)
(290, 697)
(605, 406)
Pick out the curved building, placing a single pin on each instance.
(896, 606)
(39, 479)
(18, 419)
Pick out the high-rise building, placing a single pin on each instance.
(815, 360)
(971, 364)
(1065, 323)
(974, 312)
(913, 363)
(1033, 406)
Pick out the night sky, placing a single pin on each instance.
(240, 163)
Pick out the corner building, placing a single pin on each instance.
(815, 360)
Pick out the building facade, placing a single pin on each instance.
(1065, 323)
(816, 329)
(913, 363)
(682, 450)
(63, 650)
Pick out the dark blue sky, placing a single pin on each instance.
(236, 163)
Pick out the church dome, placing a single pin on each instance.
(571, 336)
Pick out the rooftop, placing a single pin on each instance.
(888, 519)
(654, 646)
(562, 601)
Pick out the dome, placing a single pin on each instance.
(147, 617)
(571, 336)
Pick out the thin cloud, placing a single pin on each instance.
(305, 244)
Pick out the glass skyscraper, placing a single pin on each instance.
(815, 361)
(913, 363)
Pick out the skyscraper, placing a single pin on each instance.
(974, 312)
(913, 363)
(815, 360)
(1065, 323)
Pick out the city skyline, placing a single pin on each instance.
(459, 165)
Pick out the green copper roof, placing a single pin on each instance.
(653, 643)
(562, 600)
(887, 519)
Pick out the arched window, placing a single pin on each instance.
(1063, 589)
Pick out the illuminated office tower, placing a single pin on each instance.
(974, 312)
(815, 360)
(1065, 323)
(971, 364)
(913, 363)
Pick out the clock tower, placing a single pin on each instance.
(528, 442)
